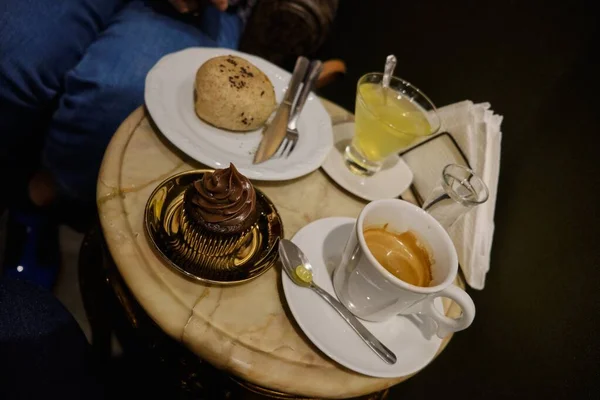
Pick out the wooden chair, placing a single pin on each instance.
(282, 30)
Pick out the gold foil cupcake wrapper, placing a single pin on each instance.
(187, 255)
(208, 243)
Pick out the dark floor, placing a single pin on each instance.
(67, 285)
(535, 331)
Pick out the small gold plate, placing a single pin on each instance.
(163, 222)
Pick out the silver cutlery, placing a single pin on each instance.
(298, 268)
(291, 134)
(276, 131)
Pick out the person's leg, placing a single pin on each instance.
(43, 352)
(40, 41)
(108, 84)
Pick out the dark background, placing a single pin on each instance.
(535, 334)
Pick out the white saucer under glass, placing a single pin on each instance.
(390, 182)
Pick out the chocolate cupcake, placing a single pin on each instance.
(219, 212)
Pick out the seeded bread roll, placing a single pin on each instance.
(233, 94)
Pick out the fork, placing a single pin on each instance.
(288, 144)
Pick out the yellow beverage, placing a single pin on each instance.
(386, 121)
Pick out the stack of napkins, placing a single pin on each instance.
(476, 130)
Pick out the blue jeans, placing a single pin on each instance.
(72, 70)
(41, 342)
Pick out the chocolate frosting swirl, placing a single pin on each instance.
(225, 197)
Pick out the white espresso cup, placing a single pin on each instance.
(372, 293)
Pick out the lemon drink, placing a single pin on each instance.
(386, 121)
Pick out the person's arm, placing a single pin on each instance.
(187, 6)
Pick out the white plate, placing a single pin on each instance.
(414, 344)
(169, 98)
(390, 182)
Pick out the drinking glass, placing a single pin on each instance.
(387, 120)
(458, 192)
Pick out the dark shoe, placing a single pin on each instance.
(32, 250)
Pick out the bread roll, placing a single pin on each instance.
(231, 93)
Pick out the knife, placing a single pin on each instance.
(275, 132)
(312, 75)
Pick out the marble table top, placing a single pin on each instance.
(245, 330)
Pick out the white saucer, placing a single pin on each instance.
(169, 96)
(393, 179)
(322, 241)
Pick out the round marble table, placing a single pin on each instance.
(244, 330)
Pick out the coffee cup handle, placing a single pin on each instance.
(446, 324)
